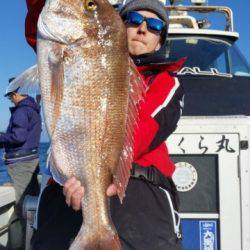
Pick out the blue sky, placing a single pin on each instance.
(16, 55)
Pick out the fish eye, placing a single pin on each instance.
(90, 5)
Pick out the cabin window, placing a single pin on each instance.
(208, 55)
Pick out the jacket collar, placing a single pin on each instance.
(171, 67)
(157, 62)
(29, 102)
(19, 104)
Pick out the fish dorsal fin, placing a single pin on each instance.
(27, 82)
(136, 95)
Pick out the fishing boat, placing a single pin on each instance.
(7, 200)
(210, 147)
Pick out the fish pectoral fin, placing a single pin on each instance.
(136, 95)
(57, 84)
(27, 83)
(56, 174)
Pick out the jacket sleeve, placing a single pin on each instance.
(19, 130)
(34, 8)
(159, 114)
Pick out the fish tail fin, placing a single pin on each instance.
(104, 239)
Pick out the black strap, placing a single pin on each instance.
(148, 173)
(154, 176)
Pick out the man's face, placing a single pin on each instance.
(140, 39)
(14, 98)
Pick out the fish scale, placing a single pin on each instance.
(84, 73)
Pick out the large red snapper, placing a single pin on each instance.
(84, 76)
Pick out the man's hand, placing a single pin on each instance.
(74, 192)
(111, 190)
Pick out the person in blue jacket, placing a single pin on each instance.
(20, 143)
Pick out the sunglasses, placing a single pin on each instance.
(153, 24)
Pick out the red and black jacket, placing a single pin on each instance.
(160, 111)
(159, 114)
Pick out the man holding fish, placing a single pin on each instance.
(148, 218)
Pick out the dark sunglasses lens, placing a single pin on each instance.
(155, 24)
(134, 18)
